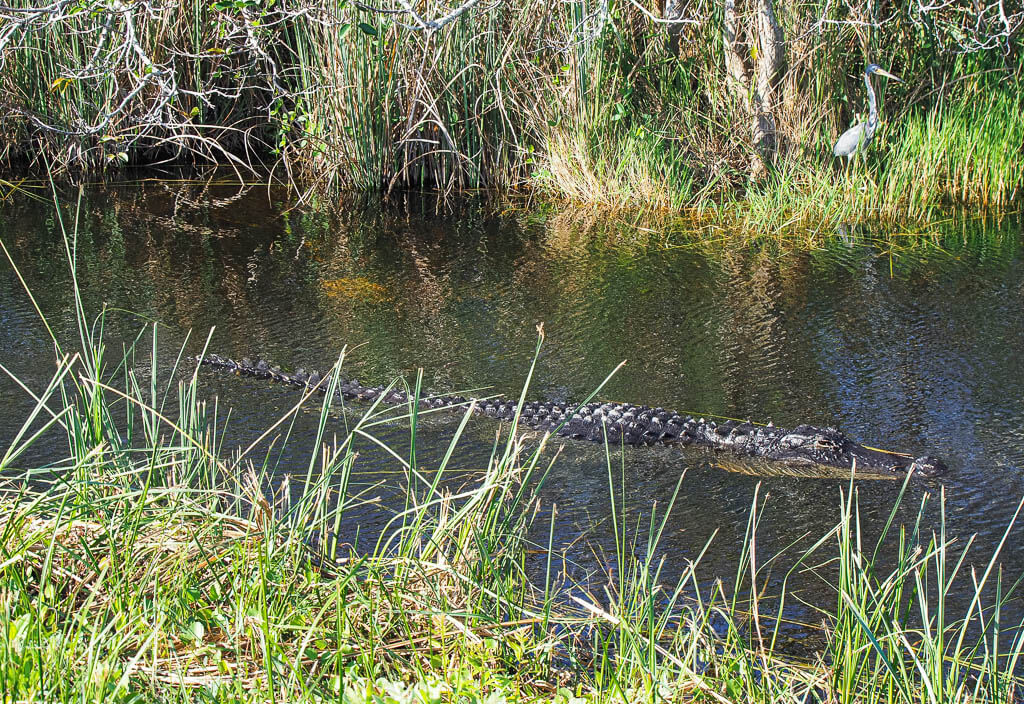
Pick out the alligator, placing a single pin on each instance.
(627, 424)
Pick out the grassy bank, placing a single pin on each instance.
(159, 562)
(588, 102)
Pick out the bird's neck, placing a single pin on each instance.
(872, 104)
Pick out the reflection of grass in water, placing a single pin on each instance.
(154, 565)
(716, 232)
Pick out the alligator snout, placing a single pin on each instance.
(928, 466)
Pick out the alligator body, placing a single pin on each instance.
(804, 445)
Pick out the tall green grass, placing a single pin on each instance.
(585, 100)
(156, 563)
(388, 107)
(966, 151)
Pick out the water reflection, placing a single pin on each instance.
(904, 343)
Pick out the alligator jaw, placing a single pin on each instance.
(896, 462)
(627, 424)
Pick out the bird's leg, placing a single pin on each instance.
(862, 170)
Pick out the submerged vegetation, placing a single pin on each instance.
(699, 106)
(155, 562)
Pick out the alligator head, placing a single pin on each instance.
(928, 465)
(807, 444)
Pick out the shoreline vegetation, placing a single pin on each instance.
(157, 562)
(724, 111)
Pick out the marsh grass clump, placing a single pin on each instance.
(155, 563)
(965, 151)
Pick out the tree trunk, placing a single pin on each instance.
(753, 62)
(673, 10)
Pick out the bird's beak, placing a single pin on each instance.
(882, 72)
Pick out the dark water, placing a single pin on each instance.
(905, 343)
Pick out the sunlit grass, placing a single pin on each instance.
(632, 171)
